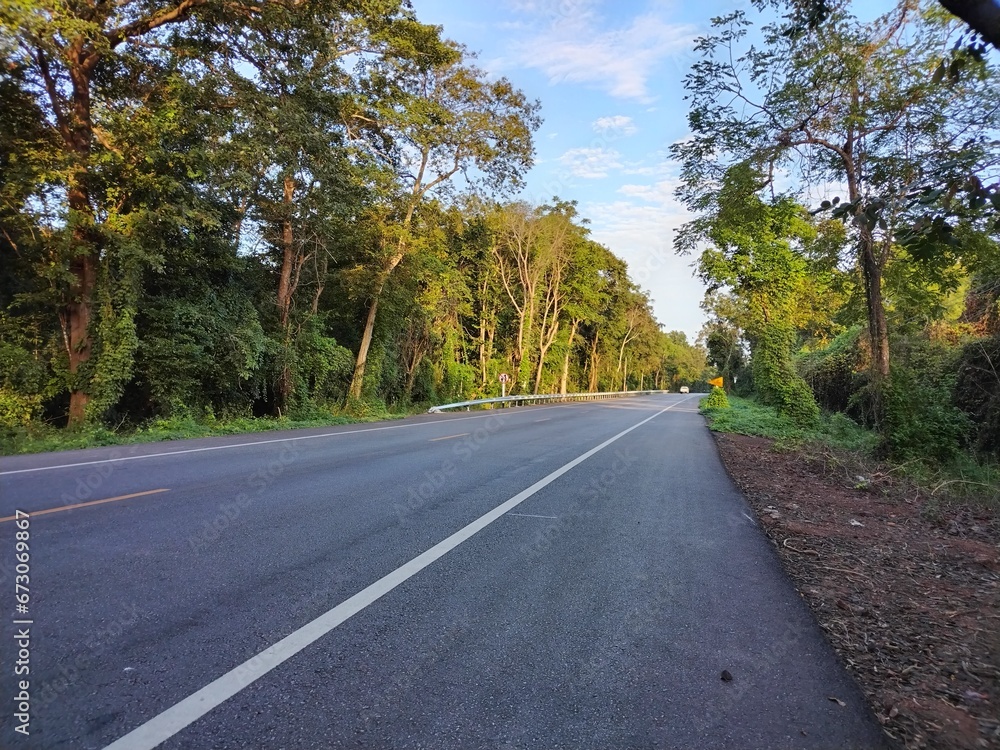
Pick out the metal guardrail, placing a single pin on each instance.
(541, 397)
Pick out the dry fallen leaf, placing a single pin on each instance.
(836, 700)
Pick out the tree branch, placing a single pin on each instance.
(53, 92)
(142, 26)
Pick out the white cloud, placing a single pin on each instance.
(660, 193)
(639, 226)
(577, 46)
(617, 125)
(638, 168)
(557, 10)
(591, 163)
(513, 26)
(642, 235)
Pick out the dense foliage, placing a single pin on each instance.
(267, 208)
(845, 176)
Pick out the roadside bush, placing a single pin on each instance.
(366, 407)
(776, 379)
(17, 410)
(717, 399)
(748, 417)
(921, 419)
(323, 368)
(977, 391)
(837, 374)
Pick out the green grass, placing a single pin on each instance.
(965, 480)
(38, 438)
(748, 417)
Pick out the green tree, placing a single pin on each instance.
(844, 102)
(449, 120)
(752, 254)
(94, 69)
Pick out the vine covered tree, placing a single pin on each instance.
(841, 103)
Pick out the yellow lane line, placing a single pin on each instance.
(447, 437)
(34, 513)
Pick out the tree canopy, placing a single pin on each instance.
(270, 208)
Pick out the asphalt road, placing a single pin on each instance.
(469, 580)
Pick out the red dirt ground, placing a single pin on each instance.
(909, 596)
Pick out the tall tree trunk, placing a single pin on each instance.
(487, 327)
(412, 367)
(490, 336)
(357, 381)
(539, 370)
(285, 291)
(564, 380)
(86, 250)
(621, 359)
(322, 267)
(519, 342)
(877, 326)
(78, 311)
(411, 379)
(544, 345)
(594, 358)
(287, 256)
(366, 341)
(878, 330)
(482, 350)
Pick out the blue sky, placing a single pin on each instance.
(609, 77)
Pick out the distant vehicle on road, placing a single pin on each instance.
(685, 389)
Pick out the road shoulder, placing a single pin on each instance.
(909, 600)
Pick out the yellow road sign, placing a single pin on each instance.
(717, 382)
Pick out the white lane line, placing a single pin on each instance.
(448, 437)
(165, 725)
(275, 440)
(531, 515)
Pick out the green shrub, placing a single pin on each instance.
(323, 367)
(921, 421)
(17, 410)
(777, 382)
(977, 391)
(749, 417)
(717, 399)
(837, 373)
(366, 407)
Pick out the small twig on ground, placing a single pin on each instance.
(786, 545)
(957, 481)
